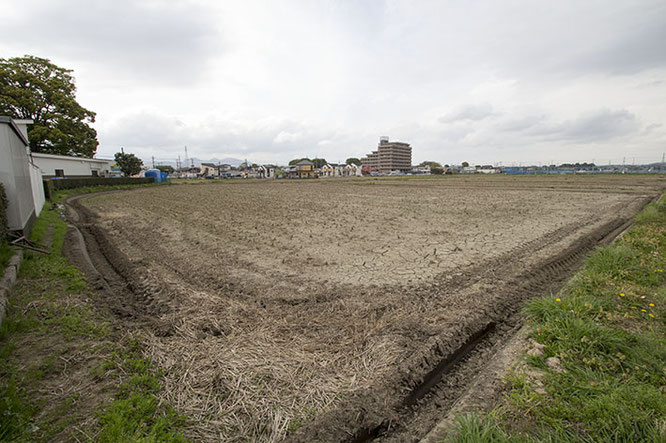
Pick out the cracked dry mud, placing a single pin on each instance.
(319, 310)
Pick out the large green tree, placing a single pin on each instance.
(353, 160)
(34, 88)
(129, 164)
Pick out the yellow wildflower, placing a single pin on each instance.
(557, 299)
(651, 315)
(634, 307)
(643, 310)
(652, 305)
(621, 294)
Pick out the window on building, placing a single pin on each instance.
(59, 172)
(95, 174)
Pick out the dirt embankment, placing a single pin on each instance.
(331, 311)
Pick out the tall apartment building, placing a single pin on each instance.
(389, 156)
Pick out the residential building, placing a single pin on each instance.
(209, 170)
(389, 156)
(332, 170)
(267, 171)
(352, 170)
(65, 166)
(303, 169)
(422, 170)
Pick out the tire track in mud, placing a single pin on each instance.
(406, 405)
(129, 291)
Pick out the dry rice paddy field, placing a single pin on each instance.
(309, 310)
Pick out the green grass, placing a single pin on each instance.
(6, 253)
(135, 414)
(51, 314)
(608, 329)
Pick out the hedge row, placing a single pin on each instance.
(82, 182)
(3, 213)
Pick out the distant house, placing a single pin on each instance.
(421, 170)
(303, 169)
(267, 171)
(352, 170)
(327, 170)
(65, 166)
(252, 173)
(209, 170)
(332, 170)
(487, 169)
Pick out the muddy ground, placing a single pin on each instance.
(328, 309)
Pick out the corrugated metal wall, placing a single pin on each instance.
(15, 176)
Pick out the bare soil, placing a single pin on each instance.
(329, 310)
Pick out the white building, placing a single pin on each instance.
(209, 170)
(20, 178)
(63, 166)
(352, 170)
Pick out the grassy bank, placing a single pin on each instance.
(66, 373)
(6, 253)
(596, 371)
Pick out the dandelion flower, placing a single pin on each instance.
(651, 315)
(621, 294)
(557, 299)
(634, 307)
(643, 310)
(652, 305)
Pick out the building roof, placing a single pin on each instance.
(212, 165)
(305, 162)
(70, 158)
(12, 124)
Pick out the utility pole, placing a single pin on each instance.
(122, 149)
(663, 157)
(153, 162)
(178, 163)
(185, 154)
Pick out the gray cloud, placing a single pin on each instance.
(631, 45)
(469, 113)
(270, 140)
(604, 124)
(153, 42)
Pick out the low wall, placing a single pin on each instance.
(37, 188)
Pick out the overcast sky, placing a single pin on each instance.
(477, 81)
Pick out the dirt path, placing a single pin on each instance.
(337, 312)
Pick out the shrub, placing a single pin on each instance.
(69, 183)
